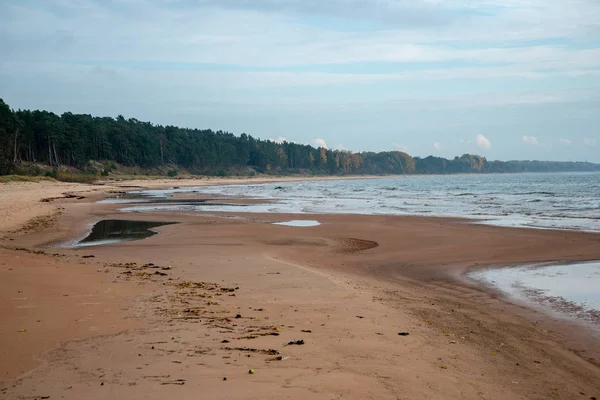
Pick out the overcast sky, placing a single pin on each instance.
(507, 79)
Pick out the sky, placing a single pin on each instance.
(506, 79)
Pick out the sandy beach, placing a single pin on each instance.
(359, 307)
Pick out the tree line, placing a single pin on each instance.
(74, 140)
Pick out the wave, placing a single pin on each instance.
(536, 193)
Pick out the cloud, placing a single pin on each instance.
(241, 32)
(279, 140)
(483, 142)
(589, 141)
(321, 143)
(395, 13)
(416, 21)
(530, 140)
(566, 142)
(437, 145)
(193, 74)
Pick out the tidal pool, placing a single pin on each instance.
(116, 230)
(565, 290)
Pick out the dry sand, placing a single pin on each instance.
(239, 290)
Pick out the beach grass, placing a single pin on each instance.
(60, 176)
(23, 178)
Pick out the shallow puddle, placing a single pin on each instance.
(298, 223)
(116, 230)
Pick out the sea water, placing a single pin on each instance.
(552, 201)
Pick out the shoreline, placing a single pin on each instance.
(336, 257)
(471, 207)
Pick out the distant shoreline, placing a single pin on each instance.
(103, 145)
(203, 180)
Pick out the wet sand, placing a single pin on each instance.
(226, 295)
